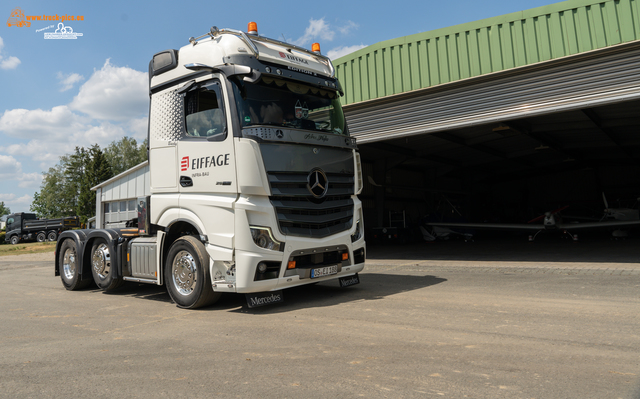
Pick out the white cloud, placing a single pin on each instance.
(56, 123)
(68, 81)
(15, 203)
(317, 28)
(9, 167)
(346, 29)
(30, 180)
(7, 63)
(138, 128)
(114, 93)
(344, 50)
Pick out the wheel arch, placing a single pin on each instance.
(112, 238)
(79, 237)
(176, 229)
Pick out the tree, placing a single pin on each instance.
(97, 170)
(125, 154)
(4, 210)
(66, 188)
(51, 201)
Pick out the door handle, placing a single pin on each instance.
(185, 181)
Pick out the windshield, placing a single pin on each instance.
(278, 102)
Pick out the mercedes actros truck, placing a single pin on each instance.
(253, 179)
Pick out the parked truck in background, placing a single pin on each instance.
(253, 179)
(24, 227)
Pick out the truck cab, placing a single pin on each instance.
(253, 175)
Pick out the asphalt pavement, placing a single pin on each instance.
(425, 321)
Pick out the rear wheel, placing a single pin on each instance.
(103, 273)
(69, 267)
(52, 236)
(41, 237)
(186, 274)
(14, 240)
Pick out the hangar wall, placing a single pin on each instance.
(116, 197)
(477, 48)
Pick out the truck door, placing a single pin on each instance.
(205, 154)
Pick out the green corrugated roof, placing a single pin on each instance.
(489, 45)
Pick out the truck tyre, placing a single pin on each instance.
(52, 236)
(69, 268)
(186, 274)
(15, 240)
(103, 274)
(41, 237)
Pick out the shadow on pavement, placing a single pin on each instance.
(373, 286)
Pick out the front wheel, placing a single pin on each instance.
(15, 240)
(103, 273)
(69, 267)
(186, 274)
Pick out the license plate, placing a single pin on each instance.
(324, 271)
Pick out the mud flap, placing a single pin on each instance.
(349, 281)
(264, 298)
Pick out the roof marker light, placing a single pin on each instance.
(315, 47)
(252, 28)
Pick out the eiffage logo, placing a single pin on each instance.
(184, 164)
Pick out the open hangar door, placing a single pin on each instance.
(505, 147)
(509, 171)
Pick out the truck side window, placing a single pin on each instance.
(204, 113)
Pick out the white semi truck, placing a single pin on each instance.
(254, 179)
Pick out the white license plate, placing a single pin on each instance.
(324, 271)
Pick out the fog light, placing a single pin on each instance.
(262, 267)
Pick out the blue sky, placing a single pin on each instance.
(58, 94)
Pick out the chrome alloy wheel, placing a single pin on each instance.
(101, 261)
(183, 271)
(69, 263)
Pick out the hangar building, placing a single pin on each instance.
(500, 119)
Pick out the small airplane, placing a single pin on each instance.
(552, 221)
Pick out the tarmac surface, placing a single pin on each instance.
(489, 319)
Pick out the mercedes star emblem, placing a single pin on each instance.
(317, 183)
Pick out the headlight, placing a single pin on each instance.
(263, 238)
(356, 234)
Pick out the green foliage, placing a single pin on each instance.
(66, 187)
(125, 154)
(3, 234)
(97, 170)
(4, 210)
(54, 198)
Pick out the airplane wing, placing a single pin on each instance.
(598, 225)
(491, 226)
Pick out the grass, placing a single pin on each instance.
(27, 248)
